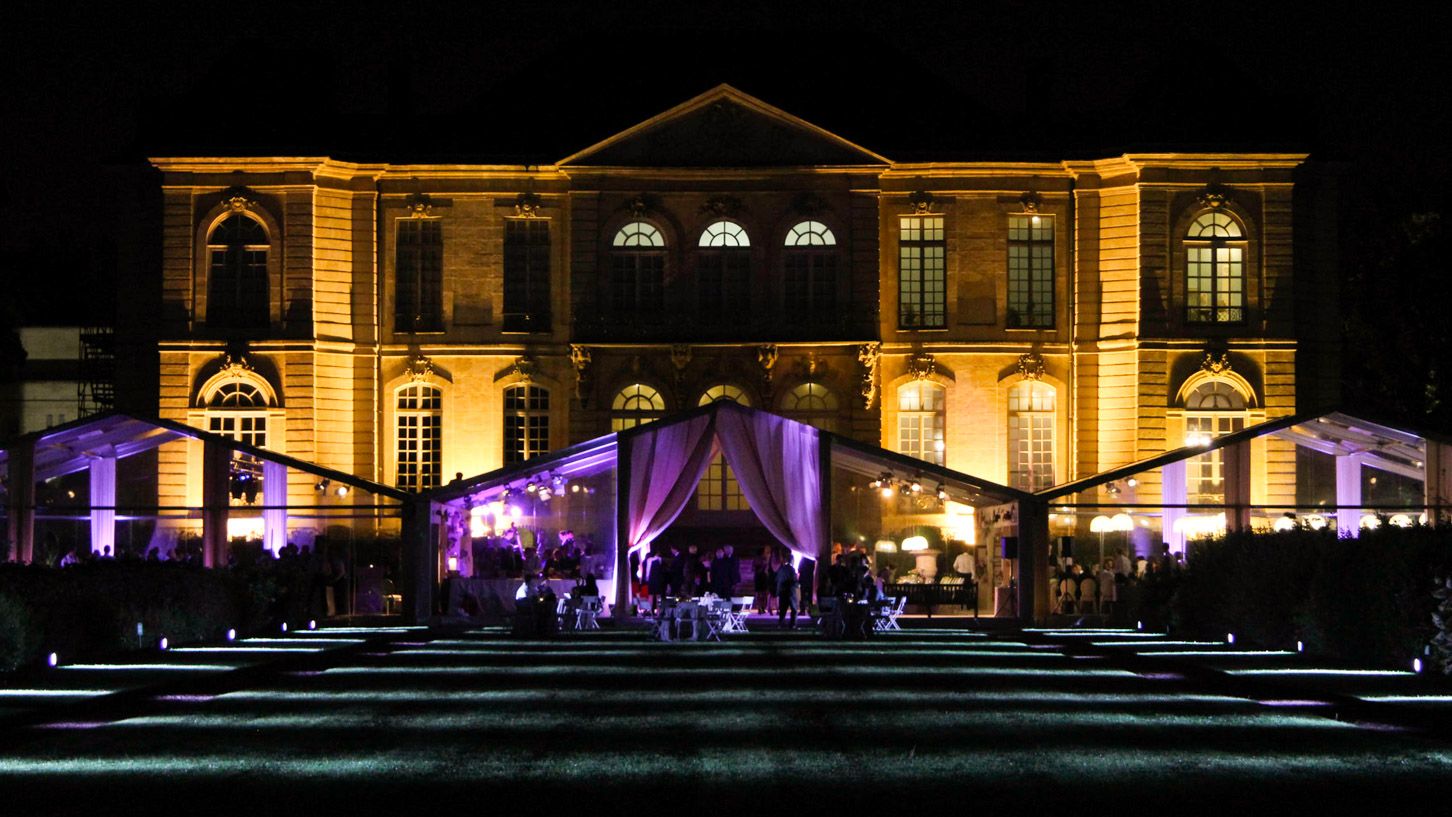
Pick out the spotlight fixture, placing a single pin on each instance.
(1112, 489)
(322, 486)
(341, 491)
(942, 493)
(916, 487)
(1132, 482)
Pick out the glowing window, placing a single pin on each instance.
(419, 437)
(922, 291)
(810, 234)
(526, 422)
(1215, 408)
(637, 272)
(1031, 420)
(920, 420)
(638, 234)
(810, 280)
(635, 405)
(1215, 270)
(719, 490)
(724, 234)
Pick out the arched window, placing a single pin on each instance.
(237, 408)
(811, 273)
(636, 404)
(1215, 408)
(921, 409)
(723, 273)
(1032, 407)
(637, 272)
(811, 403)
(1215, 270)
(526, 422)
(725, 391)
(419, 427)
(237, 274)
(719, 490)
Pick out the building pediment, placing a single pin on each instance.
(723, 128)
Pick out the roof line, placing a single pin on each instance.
(722, 91)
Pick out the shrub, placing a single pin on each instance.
(1365, 600)
(16, 636)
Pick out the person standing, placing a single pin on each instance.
(966, 566)
(786, 593)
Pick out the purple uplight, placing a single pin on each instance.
(184, 699)
(1292, 702)
(1162, 676)
(72, 725)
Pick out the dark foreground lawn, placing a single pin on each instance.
(417, 722)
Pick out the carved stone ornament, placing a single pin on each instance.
(1031, 366)
(869, 355)
(721, 206)
(580, 359)
(766, 356)
(680, 358)
(237, 199)
(639, 206)
(813, 365)
(525, 367)
(808, 203)
(419, 368)
(1213, 364)
(526, 205)
(1031, 201)
(920, 201)
(1213, 195)
(234, 364)
(419, 205)
(922, 365)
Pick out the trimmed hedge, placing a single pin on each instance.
(1367, 600)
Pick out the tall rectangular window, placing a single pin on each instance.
(1030, 272)
(920, 415)
(527, 275)
(418, 295)
(1205, 473)
(637, 285)
(922, 289)
(419, 437)
(526, 422)
(723, 278)
(1031, 417)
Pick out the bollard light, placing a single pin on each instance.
(1416, 665)
(1230, 638)
(52, 660)
(312, 624)
(231, 635)
(163, 643)
(284, 626)
(1300, 646)
(1139, 625)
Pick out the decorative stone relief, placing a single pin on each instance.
(1031, 366)
(766, 356)
(419, 205)
(239, 199)
(922, 365)
(234, 363)
(721, 206)
(1216, 364)
(525, 367)
(419, 368)
(580, 359)
(680, 359)
(1031, 201)
(526, 205)
(1213, 195)
(920, 201)
(869, 355)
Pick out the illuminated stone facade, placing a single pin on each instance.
(1027, 322)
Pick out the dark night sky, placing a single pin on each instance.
(91, 89)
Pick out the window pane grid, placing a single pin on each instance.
(419, 276)
(526, 422)
(526, 275)
(1030, 272)
(922, 273)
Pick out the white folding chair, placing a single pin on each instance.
(687, 613)
(893, 612)
(587, 613)
(736, 621)
(718, 614)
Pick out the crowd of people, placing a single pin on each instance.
(1109, 578)
(520, 552)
